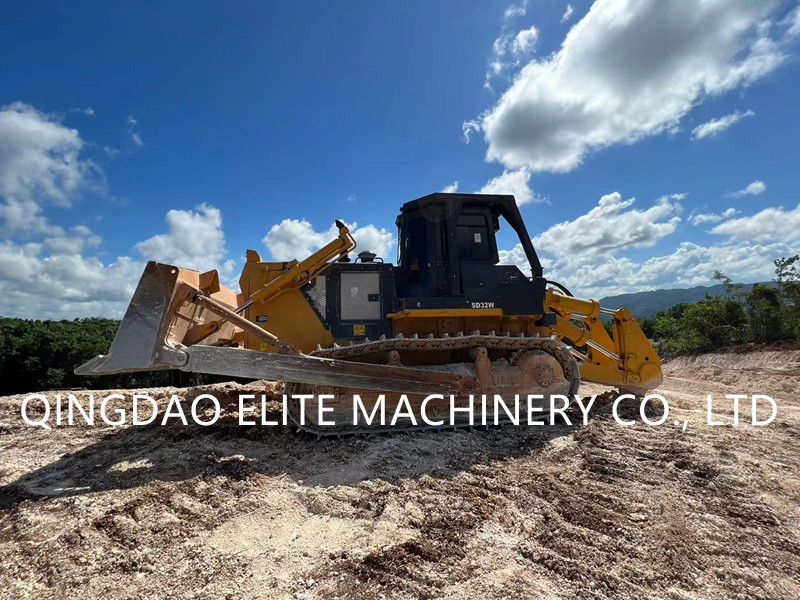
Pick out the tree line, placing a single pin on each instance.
(40, 355)
(766, 313)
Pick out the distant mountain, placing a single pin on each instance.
(646, 304)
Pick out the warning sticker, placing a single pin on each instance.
(359, 330)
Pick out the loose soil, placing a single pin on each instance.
(595, 511)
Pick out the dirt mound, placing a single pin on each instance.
(600, 511)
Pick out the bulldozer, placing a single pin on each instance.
(444, 325)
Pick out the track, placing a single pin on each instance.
(446, 353)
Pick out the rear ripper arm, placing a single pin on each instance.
(625, 359)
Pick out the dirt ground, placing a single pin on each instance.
(595, 511)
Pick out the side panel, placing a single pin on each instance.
(359, 296)
(290, 316)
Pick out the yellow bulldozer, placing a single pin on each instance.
(447, 320)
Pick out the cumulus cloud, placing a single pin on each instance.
(584, 254)
(700, 218)
(692, 264)
(59, 282)
(567, 13)
(627, 70)
(39, 162)
(717, 126)
(88, 111)
(24, 214)
(450, 189)
(296, 239)
(754, 188)
(770, 224)
(194, 240)
(611, 225)
(63, 276)
(516, 183)
(689, 265)
(524, 41)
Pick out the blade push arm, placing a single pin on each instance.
(625, 359)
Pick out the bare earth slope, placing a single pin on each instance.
(600, 511)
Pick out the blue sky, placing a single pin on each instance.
(190, 132)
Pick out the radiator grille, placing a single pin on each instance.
(356, 289)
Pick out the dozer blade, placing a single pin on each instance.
(156, 321)
(172, 308)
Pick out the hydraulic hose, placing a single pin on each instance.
(559, 286)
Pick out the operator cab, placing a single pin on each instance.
(448, 257)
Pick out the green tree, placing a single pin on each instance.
(787, 276)
(764, 313)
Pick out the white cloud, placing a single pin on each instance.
(296, 239)
(583, 254)
(379, 241)
(59, 282)
(88, 111)
(627, 70)
(717, 126)
(769, 225)
(194, 240)
(39, 162)
(450, 189)
(612, 225)
(112, 152)
(792, 22)
(689, 265)
(692, 264)
(468, 128)
(516, 10)
(137, 139)
(567, 13)
(516, 183)
(24, 214)
(62, 277)
(508, 50)
(82, 230)
(525, 41)
(39, 156)
(754, 188)
(700, 218)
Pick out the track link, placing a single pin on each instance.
(510, 346)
